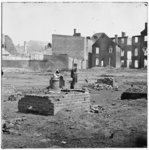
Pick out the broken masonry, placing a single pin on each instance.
(55, 100)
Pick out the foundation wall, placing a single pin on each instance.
(51, 104)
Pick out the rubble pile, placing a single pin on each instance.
(106, 80)
(104, 84)
(9, 126)
(14, 97)
(99, 87)
(96, 109)
(135, 93)
(137, 89)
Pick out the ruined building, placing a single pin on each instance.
(139, 49)
(126, 49)
(133, 50)
(105, 52)
(76, 47)
(139, 44)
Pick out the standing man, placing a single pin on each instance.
(74, 76)
(2, 72)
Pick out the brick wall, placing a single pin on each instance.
(15, 63)
(71, 45)
(50, 63)
(51, 104)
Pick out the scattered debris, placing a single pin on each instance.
(15, 97)
(106, 75)
(63, 142)
(106, 83)
(5, 127)
(12, 98)
(106, 80)
(96, 108)
(133, 89)
(8, 126)
(45, 140)
(98, 86)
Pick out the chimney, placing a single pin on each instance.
(74, 31)
(123, 34)
(116, 39)
(145, 25)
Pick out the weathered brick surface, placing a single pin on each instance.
(71, 45)
(50, 104)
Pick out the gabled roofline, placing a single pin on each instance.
(109, 38)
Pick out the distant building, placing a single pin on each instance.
(35, 50)
(126, 49)
(8, 44)
(105, 52)
(139, 49)
(76, 47)
(136, 51)
(143, 38)
(133, 50)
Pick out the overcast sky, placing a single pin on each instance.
(38, 21)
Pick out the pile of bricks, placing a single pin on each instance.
(143, 89)
(106, 80)
(50, 104)
(99, 87)
(104, 84)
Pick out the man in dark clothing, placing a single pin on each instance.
(74, 76)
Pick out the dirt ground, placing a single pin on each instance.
(120, 123)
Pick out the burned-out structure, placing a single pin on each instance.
(126, 49)
(105, 52)
(75, 46)
(133, 50)
(139, 49)
(143, 38)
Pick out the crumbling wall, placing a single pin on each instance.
(51, 104)
(15, 63)
(50, 63)
(71, 45)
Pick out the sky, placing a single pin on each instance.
(38, 21)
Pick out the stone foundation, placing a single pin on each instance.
(50, 104)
